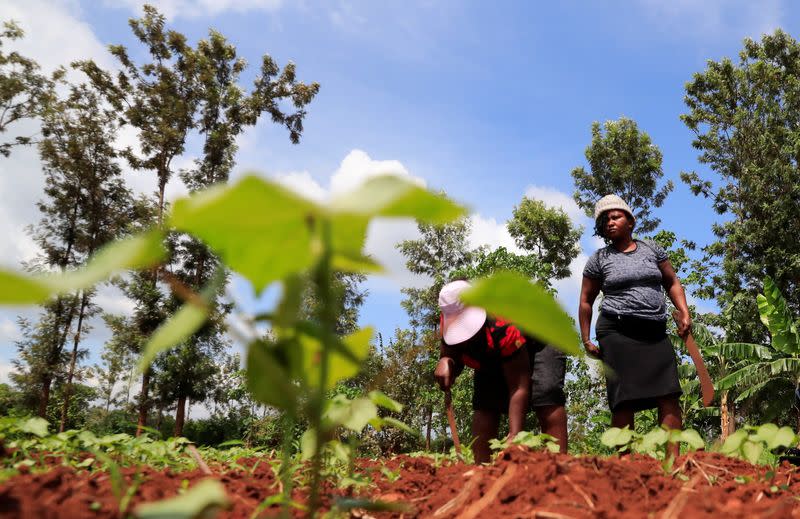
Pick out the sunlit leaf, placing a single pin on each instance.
(384, 401)
(784, 437)
(692, 438)
(396, 196)
(308, 444)
(734, 442)
(35, 425)
(137, 252)
(259, 228)
(344, 359)
(140, 251)
(187, 320)
(17, 288)
(513, 297)
(352, 414)
(615, 437)
(268, 378)
(197, 502)
(752, 451)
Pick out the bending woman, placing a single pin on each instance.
(632, 327)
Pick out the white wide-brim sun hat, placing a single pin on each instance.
(459, 322)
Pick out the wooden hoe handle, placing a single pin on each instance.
(451, 417)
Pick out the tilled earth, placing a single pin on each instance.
(520, 483)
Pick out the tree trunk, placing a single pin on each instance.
(45, 399)
(428, 426)
(180, 416)
(144, 404)
(724, 418)
(76, 341)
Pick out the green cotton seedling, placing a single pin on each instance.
(529, 440)
(270, 235)
(653, 443)
(753, 442)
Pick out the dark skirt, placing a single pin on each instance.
(642, 361)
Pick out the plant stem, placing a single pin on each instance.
(327, 321)
(286, 464)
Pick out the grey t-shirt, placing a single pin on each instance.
(630, 281)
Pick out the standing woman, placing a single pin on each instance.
(632, 326)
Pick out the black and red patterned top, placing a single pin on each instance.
(497, 340)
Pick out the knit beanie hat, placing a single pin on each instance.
(610, 202)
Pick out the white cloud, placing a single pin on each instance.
(554, 198)
(357, 167)
(488, 231)
(302, 183)
(713, 19)
(199, 8)
(6, 368)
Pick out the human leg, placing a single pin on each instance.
(485, 425)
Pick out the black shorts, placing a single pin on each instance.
(547, 384)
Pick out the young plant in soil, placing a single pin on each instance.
(654, 443)
(270, 235)
(752, 442)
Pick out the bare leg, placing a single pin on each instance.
(485, 425)
(669, 416)
(553, 419)
(623, 416)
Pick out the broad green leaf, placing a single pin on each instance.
(268, 377)
(615, 437)
(765, 433)
(692, 438)
(35, 425)
(308, 444)
(137, 252)
(352, 414)
(784, 437)
(291, 300)
(653, 440)
(20, 289)
(746, 351)
(197, 502)
(513, 297)
(384, 401)
(395, 196)
(734, 442)
(397, 424)
(777, 317)
(341, 364)
(259, 228)
(363, 264)
(752, 451)
(187, 320)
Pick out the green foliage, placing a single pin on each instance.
(197, 502)
(529, 440)
(527, 305)
(138, 252)
(743, 112)
(622, 161)
(653, 443)
(547, 233)
(751, 442)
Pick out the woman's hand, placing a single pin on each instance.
(592, 349)
(445, 373)
(684, 322)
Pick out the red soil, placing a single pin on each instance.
(519, 484)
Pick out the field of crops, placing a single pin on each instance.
(76, 474)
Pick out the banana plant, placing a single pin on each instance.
(767, 366)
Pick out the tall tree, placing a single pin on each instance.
(183, 89)
(25, 93)
(546, 232)
(623, 161)
(85, 193)
(745, 115)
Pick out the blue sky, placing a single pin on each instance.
(487, 100)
